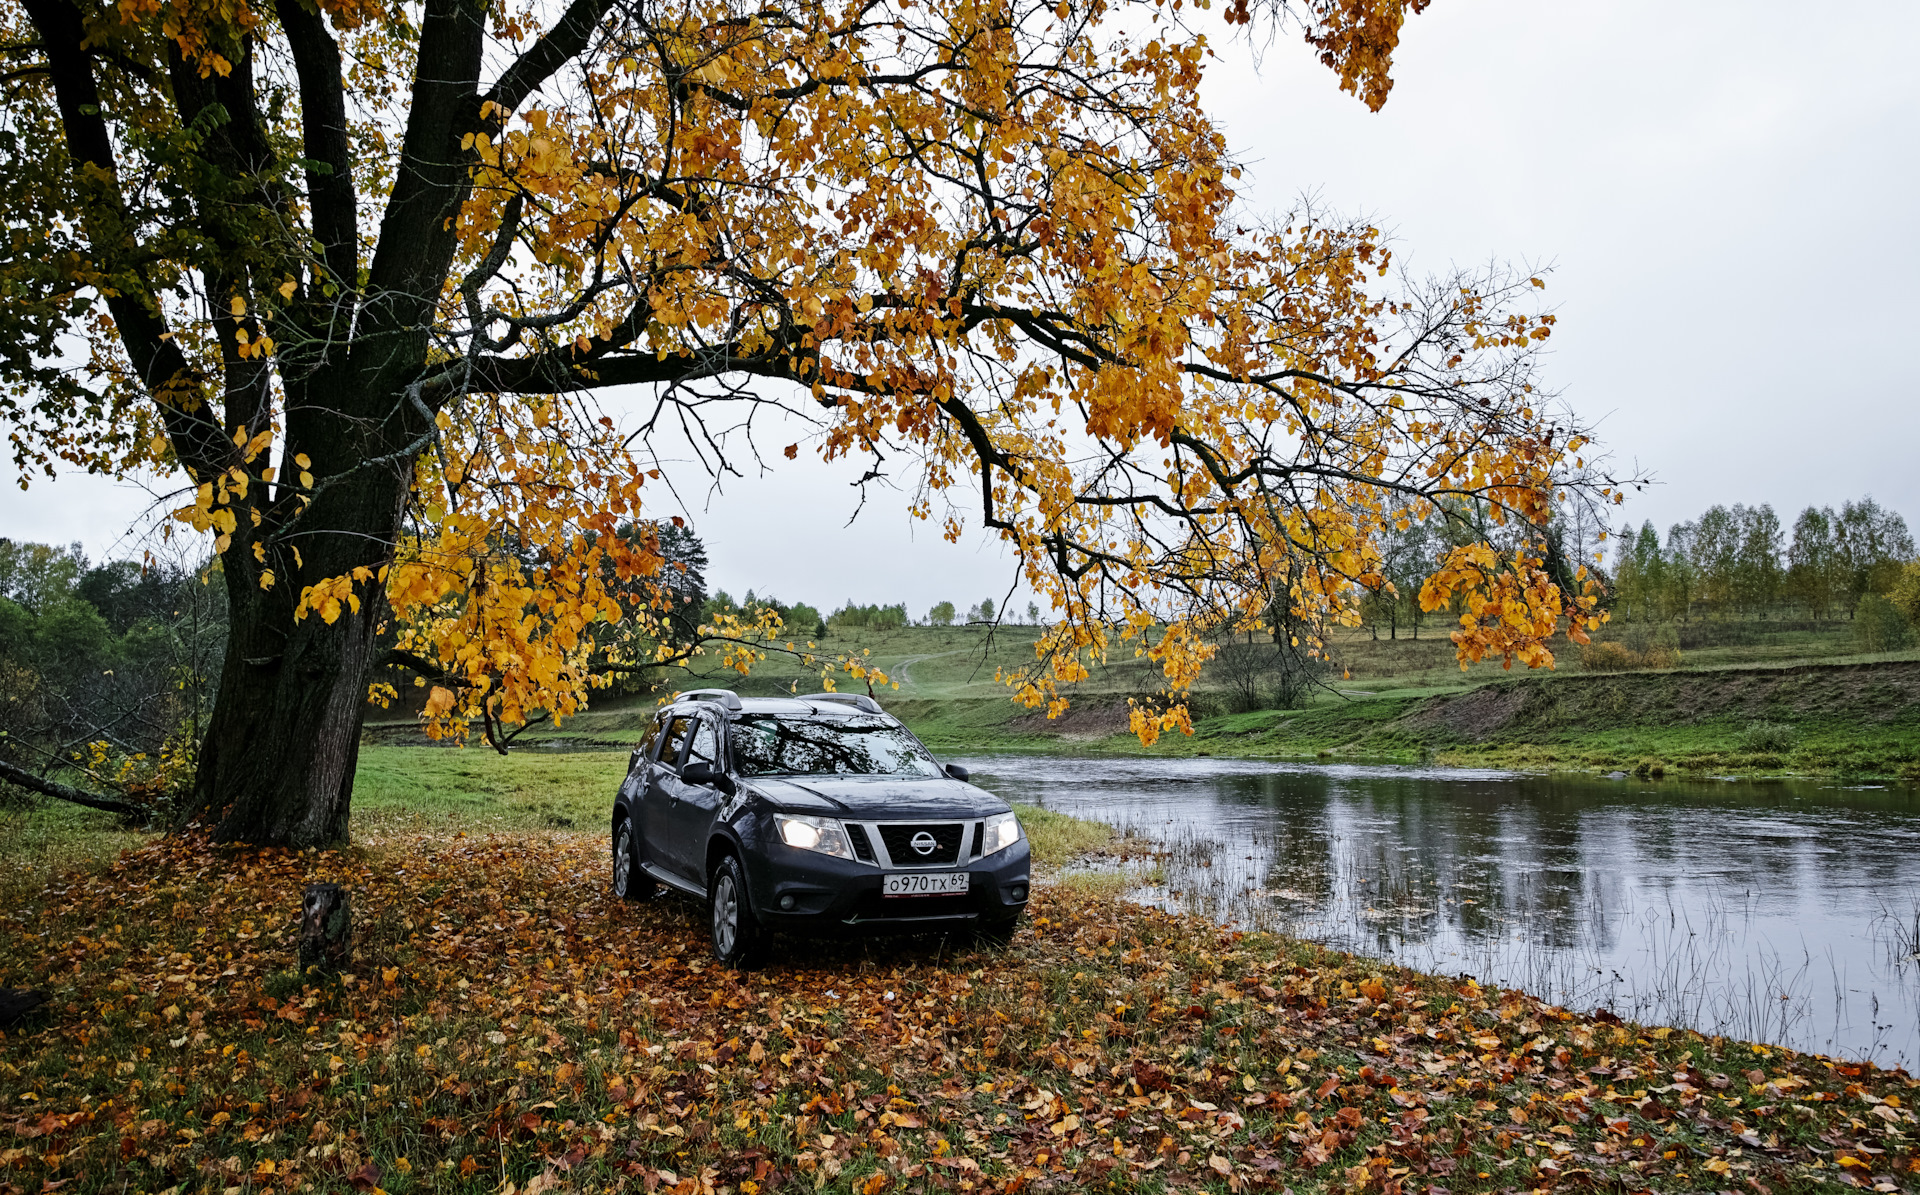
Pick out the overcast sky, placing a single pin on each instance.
(1725, 192)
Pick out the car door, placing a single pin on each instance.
(695, 806)
(662, 794)
(633, 789)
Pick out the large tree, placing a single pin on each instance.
(356, 271)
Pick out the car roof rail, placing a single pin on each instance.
(859, 701)
(721, 697)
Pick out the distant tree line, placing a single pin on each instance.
(1731, 562)
(796, 618)
(942, 614)
(1740, 561)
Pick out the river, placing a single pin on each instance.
(1786, 913)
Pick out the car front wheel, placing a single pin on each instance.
(736, 935)
(629, 882)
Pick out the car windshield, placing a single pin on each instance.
(767, 745)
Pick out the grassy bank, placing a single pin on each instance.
(1860, 719)
(1753, 697)
(508, 1027)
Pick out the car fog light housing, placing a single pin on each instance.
(822, 834)
(1002, 832)
(786, 902)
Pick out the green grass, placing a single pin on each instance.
(478, 789)
(1056, 838)
(413, 789)
(39, 839)
(948, 694)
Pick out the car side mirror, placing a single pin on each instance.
(957, 772)
(699, 771)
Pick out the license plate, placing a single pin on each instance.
(926, 883)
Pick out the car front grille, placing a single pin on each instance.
(899, 843)
(862, 849)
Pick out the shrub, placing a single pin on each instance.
(1660, 658)
(1637, 649)
(1767, 738)
(1608, 657)
(1878, 624)
(1905, 594)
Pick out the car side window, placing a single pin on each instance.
(648, 741)
(706, 745)
(674, 739)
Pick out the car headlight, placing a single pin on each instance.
(1002, 831)
(823, 834)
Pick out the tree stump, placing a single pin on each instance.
(326, 929)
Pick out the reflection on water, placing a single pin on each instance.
(1778, 912)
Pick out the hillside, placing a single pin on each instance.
(1814, 718)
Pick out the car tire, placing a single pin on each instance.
(630, 883)
(736, 935)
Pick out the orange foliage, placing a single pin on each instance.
(997, 242)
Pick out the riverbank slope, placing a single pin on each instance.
(1856, 719)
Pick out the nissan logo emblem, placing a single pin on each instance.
(924, 843)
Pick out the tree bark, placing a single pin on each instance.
(276, 767)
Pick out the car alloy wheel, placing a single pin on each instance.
(735, 933)
(629, 882)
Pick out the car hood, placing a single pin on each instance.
(880, 797)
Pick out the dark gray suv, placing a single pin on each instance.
(812, 815)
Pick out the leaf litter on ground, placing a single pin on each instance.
(510, 1028)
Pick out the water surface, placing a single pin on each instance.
(1780, 912)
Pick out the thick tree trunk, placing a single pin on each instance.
(276, 767)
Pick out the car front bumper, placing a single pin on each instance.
(829, 896)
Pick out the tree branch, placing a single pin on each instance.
(323, 120)
(51, 788)
(416, 235)
(533, 68)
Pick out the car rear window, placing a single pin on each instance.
(770, 745)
